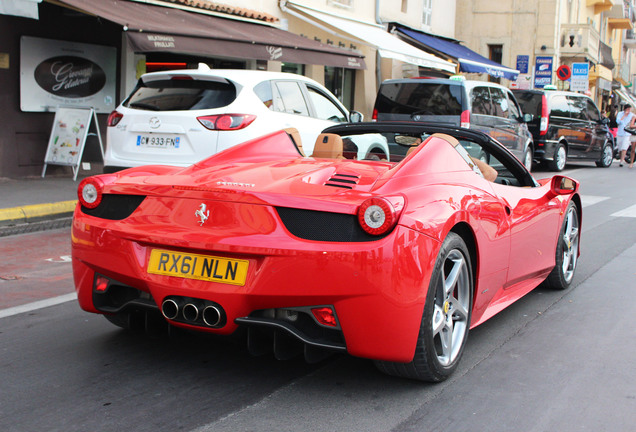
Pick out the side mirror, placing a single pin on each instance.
(562, 185)
(527, 118)
(356, 117)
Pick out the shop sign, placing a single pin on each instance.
(58, 73)
(542, 72)
(522, 63)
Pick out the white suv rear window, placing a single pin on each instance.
(181, 95)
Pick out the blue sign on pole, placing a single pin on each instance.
(580, 80)
(522, 63)
(542, 72)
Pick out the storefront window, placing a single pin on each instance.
(295, 68)
(341, 82)
(495, 53)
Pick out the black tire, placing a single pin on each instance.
(567, 251)
(446, 309)
(607, 155)
(559, 158)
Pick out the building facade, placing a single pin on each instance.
(343, 44)
(539, 36)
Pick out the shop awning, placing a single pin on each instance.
(469, 60)
(626, 98)
(388, 46)
(152, 28)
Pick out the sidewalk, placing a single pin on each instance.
(36, 203)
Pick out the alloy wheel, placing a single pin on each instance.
(561, 157)
(451, 310)
(570, 239)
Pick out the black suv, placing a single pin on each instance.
(487, 107)
(566, 126)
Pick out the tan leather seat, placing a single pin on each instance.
(328, 146)
(295, 137)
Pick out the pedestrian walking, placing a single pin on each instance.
(625, 119)
(613, 126)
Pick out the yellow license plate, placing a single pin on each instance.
(201, 267)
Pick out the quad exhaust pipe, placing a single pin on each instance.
(170, 309)
(193, 311)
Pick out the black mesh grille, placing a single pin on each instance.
(323, 226)
(115, 207)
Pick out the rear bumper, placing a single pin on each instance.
(544, 149)
(377, 289)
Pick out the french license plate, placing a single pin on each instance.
(158, 141)
(201, 267)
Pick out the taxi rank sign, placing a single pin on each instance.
(580, 80)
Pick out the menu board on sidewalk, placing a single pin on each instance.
(68, 137)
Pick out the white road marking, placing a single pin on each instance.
(40, 304)
(628, 212)
(61, 259)
(588, 200)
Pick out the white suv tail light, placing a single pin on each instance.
(226, 121)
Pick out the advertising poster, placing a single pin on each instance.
(68, 136)
(57, 73)
(542, 71)
(522, 63)
(524, 80)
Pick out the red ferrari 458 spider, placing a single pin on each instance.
(392, 260)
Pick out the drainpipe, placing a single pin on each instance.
(378, 59)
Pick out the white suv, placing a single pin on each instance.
(180, 117)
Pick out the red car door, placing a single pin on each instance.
(534, 226)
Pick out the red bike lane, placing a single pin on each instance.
(35, 266)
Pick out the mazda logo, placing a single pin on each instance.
(154, 122)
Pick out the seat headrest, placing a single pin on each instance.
(328, 146)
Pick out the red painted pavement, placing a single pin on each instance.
(35, 266)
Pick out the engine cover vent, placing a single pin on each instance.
(346, 181)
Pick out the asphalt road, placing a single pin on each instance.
(553, 361)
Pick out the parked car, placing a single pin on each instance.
(483, 106)
(387, 260)
(180, 117)
(566, 126)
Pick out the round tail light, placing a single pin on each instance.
(377, 216)
(89, 192)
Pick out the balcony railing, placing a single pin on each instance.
(621, 73)
(579, 40)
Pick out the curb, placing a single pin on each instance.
(44, 225)
(36, 213)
